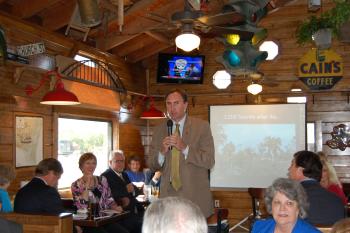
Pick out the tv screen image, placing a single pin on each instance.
(177, 68)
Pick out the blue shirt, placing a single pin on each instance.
(268, 226)
(135, 176)
(5, 201)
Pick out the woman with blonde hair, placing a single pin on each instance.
(330, 179)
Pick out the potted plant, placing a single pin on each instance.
(328, 23)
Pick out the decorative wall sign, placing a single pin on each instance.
(30, 49)
(340, 137)
(29, 140)
(320, 69)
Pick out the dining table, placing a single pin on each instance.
(99, 220)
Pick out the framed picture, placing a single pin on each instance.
(29, 140)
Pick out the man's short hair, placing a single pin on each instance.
(114, 152)
(181, 92)
(174, 215)
(311, 163)
(47, 165)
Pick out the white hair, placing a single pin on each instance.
(116, 152)
(174, 215)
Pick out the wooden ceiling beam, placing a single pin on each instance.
(132, 45)
(159, 37)
(26, 9)
(146, 52)
(139, 25)
(58, 16)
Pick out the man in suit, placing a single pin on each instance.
(123, 191)
(40, 195)
(185, 172)
(325, 207)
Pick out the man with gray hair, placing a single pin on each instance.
(174, 215)
(123, 190)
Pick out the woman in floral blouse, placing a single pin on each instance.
(94, 187)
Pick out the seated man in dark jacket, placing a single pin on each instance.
(123, 191)
(40, 195)
(325, 207)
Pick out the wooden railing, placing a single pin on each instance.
(34, 223)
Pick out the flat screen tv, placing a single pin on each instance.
(179, 68)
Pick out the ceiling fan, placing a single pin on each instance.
(201, 23)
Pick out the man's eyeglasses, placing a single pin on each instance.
(118, 161)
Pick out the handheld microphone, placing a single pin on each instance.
(169, 124)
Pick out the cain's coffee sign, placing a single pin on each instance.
(320, 69)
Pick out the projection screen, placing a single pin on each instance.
(254, 144)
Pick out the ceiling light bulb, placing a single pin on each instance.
(254, 88)
(187, 41)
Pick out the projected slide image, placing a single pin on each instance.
(252, 149)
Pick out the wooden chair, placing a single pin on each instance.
(35, 223)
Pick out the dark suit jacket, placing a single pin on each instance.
(194, 170)
(118, 188)
(325, 207)
(7, 226)
(37, 197)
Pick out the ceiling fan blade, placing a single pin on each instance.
(186, 15)
(227, 18)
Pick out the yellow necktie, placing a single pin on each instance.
(175, 157)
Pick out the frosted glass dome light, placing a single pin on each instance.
(187, 41)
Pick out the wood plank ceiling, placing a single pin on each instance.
(147, 28)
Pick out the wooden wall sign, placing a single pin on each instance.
(320, 69)
(30, 49)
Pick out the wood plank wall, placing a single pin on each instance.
(13, 100)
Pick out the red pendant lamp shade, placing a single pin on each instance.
(60, 96)
(152, 113)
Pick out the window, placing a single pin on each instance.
(310, 127)
(77, 136)
(88, 62)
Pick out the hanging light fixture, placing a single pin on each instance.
(221, 79)
(152, 113)
(187, 40)
(59, 95)
(254, 88)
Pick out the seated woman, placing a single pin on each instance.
(89, 185)
(134, 174)
(7, 174)
(330, 179)
(286, 200)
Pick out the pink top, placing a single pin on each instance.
(334, 188)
